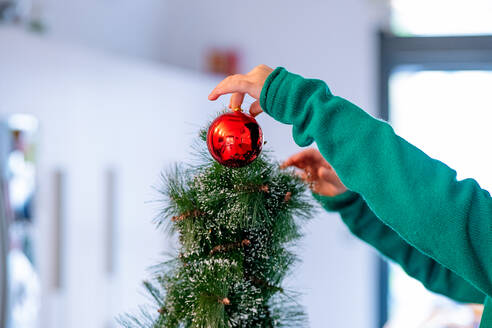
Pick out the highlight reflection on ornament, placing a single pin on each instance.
(234, 139)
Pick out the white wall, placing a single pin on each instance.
(130, 27)
(332, 40)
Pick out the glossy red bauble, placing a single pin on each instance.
(234, 139)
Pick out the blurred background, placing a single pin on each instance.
(97, 97)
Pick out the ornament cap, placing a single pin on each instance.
(237, 109)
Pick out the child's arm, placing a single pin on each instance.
(417, 196)
(363, 223)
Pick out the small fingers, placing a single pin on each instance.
(303, 175)
(231, 84)
(255, 108)
(289, 162)
(236, 100)
(307, 177)
(296, 160)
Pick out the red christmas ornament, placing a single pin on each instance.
(234, 139)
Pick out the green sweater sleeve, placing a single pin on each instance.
(417, 196)
(363, 223)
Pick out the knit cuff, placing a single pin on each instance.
(338, 202)
(288, 98)
(270, 89)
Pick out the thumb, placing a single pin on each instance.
(327, 174)
(255, 108)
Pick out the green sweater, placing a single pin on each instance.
(411, 207)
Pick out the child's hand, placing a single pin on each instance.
(320, 176)
(240, 84)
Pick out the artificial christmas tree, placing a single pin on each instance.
(236, 229)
